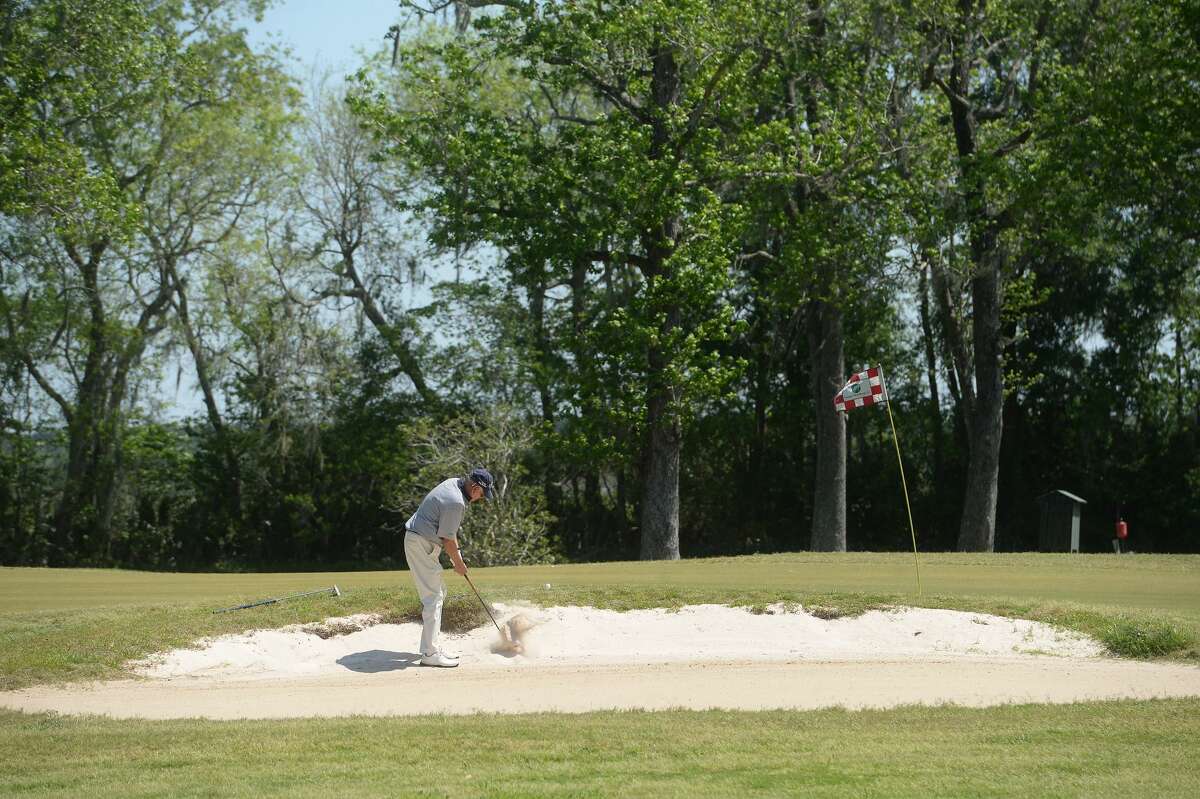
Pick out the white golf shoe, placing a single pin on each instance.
(439, 660)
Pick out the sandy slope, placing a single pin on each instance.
(581, 659)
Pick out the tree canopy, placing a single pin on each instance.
(627, 251)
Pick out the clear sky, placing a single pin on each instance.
(327, 34)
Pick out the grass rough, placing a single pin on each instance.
(1095, 750)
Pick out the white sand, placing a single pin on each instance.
(565, 636)
(580, 659)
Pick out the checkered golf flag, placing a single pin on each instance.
(864, 388)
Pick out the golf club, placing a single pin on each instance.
(335, 591)
(486, 609)
(506, 641)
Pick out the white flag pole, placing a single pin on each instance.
(896, 439)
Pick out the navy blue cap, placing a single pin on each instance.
(483, 478)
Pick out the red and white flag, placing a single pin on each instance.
(864, 388)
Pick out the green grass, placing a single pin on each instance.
(1156, 582)
(58, 625)
(1109, 749)
(76, 624)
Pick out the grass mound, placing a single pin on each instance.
(460, 614)
(1145, 638)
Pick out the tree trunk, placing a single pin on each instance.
(69, 525)
(593, 510)
(660, 495)
(72, 523)
(664, 442)
(664, 431)
(537, 310)
(977, 531)
(828, 372)
(625, 542)
(935, 404)
(83, 520)
(232, 474)
(758, 445)
(958, 366)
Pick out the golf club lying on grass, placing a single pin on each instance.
(510, 636)
(335, 591)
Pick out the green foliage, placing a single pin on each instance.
(176, 122)
(645, 201)
(92, 61)
(158, 497)
(512, 528)
(28, 478)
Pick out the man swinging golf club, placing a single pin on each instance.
(431, 529)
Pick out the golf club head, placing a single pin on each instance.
(507, 645)
(512, 636)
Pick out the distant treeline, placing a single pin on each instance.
(624, 254)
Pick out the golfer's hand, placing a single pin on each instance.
(451, 547)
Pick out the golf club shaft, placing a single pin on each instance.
(332, 590)
(486, 609)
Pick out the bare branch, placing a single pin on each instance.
(757, 254)
(609, 257)
(1013, 144)
(26, 359)
(613, 93)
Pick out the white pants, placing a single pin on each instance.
(422, 556)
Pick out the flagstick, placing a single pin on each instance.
(904, 483)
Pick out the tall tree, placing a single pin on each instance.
(68, 64)
(821, 111)
(346, 195)
(645, 167)
(995, 66)
(92, 292)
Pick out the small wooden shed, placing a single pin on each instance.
(1060, 521)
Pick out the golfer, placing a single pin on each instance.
(431, 529)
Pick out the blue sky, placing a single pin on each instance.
(326, 34)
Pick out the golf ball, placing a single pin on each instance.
(547, 585)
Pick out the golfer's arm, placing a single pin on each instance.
(451, 547)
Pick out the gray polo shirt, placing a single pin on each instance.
(441, 512)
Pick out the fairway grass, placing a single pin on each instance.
(1151, 582)
(77, 624)
(1106, 749)
(62, 625)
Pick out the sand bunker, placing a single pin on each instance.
(565, 636)
(579, 659)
